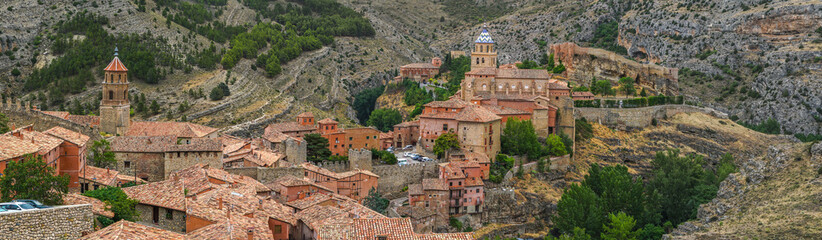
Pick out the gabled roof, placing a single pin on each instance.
(484, 37)
(142, 144)
(409, 124)
(85, 120)
(582, 94)
(116, 66)
(435, 184)
(420, 65)
(327, 121)
(132, 231)
(476, 114)
(450, 103)
(286, 127)
(305, 115)
(197, 145)
(59, 114)
(538, 74)
(177, 129)
(167, 194)
(317, 216)
(234, 228)
(44, 142)
(310, 201)
(13, 147)
(71, 136)
(100, 175)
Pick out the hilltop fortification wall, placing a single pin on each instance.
(21, 114)
(625, 118)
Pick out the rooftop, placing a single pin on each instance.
(71, 136)
(420, 65)
(286, 127)
(476, 114)
(177, 129)
(132, 231)
(327, 121)
(97, 207)
(484, 37)
(116, 65)
(13, 147)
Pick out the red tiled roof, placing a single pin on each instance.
(306, 114)
(409, 124)
(100, 175)
(234, 228)
(97, 207)
(397, 228)
(143, 144)
(85, 120)
(316, 169)
(167, 194)
(13, 147)
(132, 231)
(116, 65)
(327, 121)
(310, 201)
(446, 236)
(319, 215)
(71, 136)
(44, 142)
(559, 85)
(450, 103)
(415, 189)
(177, 129)
(473, 182)
(482, 71)
(388, 135)
(502, 110)
(476, 114)
(286, 127)
(582, 94)
(63, 115)
(435, 184)
(420, 65)
(197, 145)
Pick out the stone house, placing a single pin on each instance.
(339, 140)
(295, 150)
(582, 96)
(381, 228)
(420, 72)
(432, 195)
(406, 133)
(289, 188)
(304, 125)
(161, 204)
(466, 189)
(476, 127)
(130, 230)
(354, 184)
(155, 157)
(184, 132)
(249, 154)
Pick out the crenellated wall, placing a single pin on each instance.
(21, 114)
(624, 118)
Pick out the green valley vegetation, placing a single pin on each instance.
(364, 102)
(118, 202)
(32, 178)
(317, 147)
(446, 142)
(769, 126)
(384, 119)
(4, 123)
(610, 203)
(519, 138)
(149, 58)
(605, 37)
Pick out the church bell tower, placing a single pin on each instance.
(114, 108)
(484, 55)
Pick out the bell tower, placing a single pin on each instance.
(114, 108)
(484, 55)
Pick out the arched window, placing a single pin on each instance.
(477, 60)
(484, 87)
(110, 95)
(119, 77)
(483, 60)
(110, 78)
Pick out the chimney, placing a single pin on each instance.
(250, 233)
(108, 171)
(220, 203)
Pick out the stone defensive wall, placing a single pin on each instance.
(60, 222)
(627, 118)
(22, 115)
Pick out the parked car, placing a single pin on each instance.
(33, 203)
(408, 154)
(390, 149)
(408, 147)
(402, 162)
(16, 206)
(2, 210)
(416, 157)
(426, 159)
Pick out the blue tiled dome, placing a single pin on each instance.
(484, 37)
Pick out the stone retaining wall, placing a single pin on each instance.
(60, 222)
(625, 118)
(22, 115)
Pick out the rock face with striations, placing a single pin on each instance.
(584, 63)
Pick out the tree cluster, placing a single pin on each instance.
(118, 202)
(364, 102)
(520, 138)
(317, 148)
(610, 203)
(32, 178)
(384, 119)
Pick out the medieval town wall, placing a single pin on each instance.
(22, 114)
(60, 222)
(625, 118)
(393, 178)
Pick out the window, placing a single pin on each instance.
(350, 138)
(278, 229)
(169, 214)
(445, 127)
(127, 164)
(110, 95)
(367, 137)
(451, 184)
(96, 186)
(155, 214)
(306, 174)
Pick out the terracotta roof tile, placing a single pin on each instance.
(473, 182)
(435, 184)
(234, 228)
(274, 136)
(63, 115)
(450, 103)
(482, 71)
(319, 215)
(582, 94)
(155, 144)
(167, 194)
(447, 236)
(309, 202)
(85, 120)
(44, 142)
(415, 189)
(71, 136)
(396, 228)
(306, 114)
(97, 207)
(197, 145)
(476, 114)
(323, 171)
(177, 129)
(116, 66)
(100, 175)
(13, 147)
(342, 231)
(327, 121)
(132, 231)
(409, 124)
(420, 65)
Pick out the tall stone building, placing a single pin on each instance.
(114, 108)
